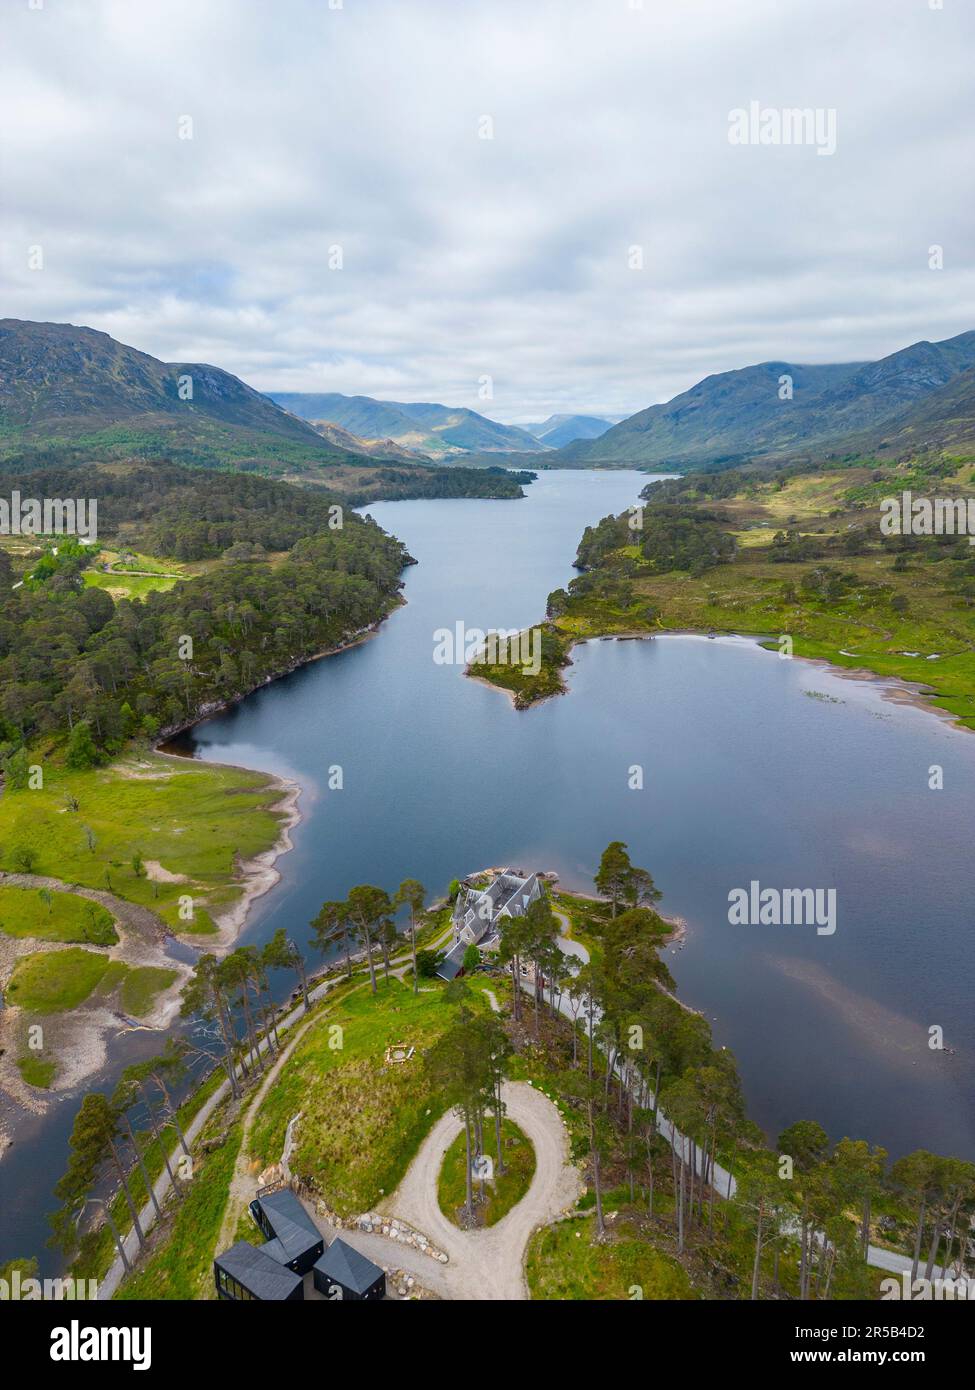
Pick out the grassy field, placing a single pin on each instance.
(130, 585)
(193, 819)
(492, 1200)
(49, 982)
(37, 1071)
(363, 1119)
(64, 917)
(563, 1263)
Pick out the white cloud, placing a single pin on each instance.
(462, 257)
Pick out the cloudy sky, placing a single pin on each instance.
(360, 125)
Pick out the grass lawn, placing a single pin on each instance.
(23, 912)
(492, 1200)
(182, 1266)
(141, 985)
(363, 1119)
(563, 1263)
(49, 982)
(121, 585)
(37, 1071)
(192, 818)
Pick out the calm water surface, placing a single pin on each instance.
(747, 775)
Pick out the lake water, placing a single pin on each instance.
(747, 775)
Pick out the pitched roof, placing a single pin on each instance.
(344, 1265)
(506, 893)
(294, 1229)
(258, 1272)
(450, 967)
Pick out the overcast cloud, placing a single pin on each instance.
(465, 257)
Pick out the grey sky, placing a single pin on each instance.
(466, 257)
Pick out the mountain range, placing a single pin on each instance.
(427, 428)
(920, 396)
(75, 393)
(559, 430)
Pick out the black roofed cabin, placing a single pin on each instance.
(245, 1274)
(293, 1239)
(342, 1273)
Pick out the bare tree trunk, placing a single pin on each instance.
(123, 1179)
(150, 1190)
(756, 1267)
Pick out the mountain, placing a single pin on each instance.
(430, 429)
(369, 448)
(69, 388)
(559, 430)
(738, 415)
(943, 420)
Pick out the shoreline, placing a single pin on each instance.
(259, 874)
(896, 690)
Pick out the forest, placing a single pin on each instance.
(75, 661)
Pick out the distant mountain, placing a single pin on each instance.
(738, 415)
(430, 429)
(368, 448)
(78, 389)
(559, 430)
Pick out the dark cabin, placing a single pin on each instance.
(244, 1273)
(293, 1239)
(342, 1273)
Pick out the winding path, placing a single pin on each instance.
(489, 1263)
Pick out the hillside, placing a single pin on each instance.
(738, 415)
(78, 388)
(943, 421)
(370, 448)
(426, 428)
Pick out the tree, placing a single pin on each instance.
(281, 953)
(81, 752)
(472, 959)
(411, 894)
(331, 926)
(620, 881)
(463, 1069)
(368, 906)
(95, 1142)
(426, 964)
(807, 1144)
(762, 1192)
(859, 1173)
(205, 996)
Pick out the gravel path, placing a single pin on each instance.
(485, 1264)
